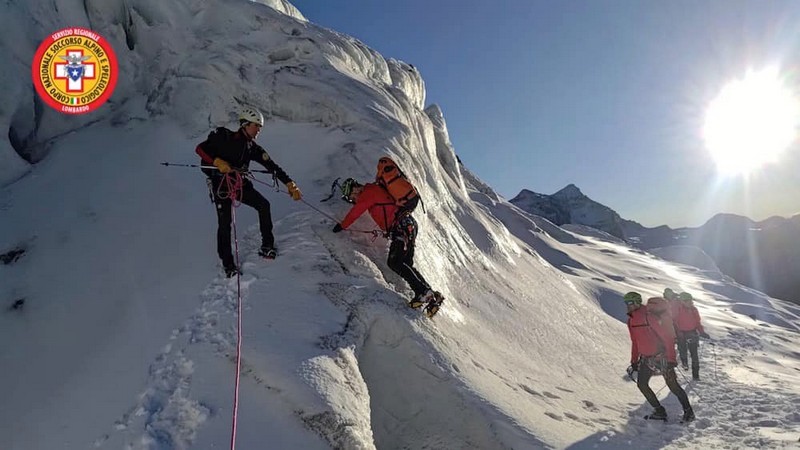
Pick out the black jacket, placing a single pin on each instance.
(237, 150)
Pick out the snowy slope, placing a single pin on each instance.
(127, 334)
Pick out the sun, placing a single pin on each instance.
(751, 122)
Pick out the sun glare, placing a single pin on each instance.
(751, 122)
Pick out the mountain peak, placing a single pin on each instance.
(570, 191)
(728, 218)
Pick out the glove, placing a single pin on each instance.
(705, 335)
(633, 368)
(672, 364)
(294, 191)
(222, 165)
(337, 228)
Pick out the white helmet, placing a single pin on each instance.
(253, 115)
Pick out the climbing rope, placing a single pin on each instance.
(233, 183)
(230, 188)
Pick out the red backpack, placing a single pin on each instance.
(396, 183)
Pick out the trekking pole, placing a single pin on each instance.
(693, 390)
(714, 350)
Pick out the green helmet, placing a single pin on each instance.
(669, 294)
(633, 298)
(685, 297)
(347, 189)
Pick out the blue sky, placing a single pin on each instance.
(608, 95)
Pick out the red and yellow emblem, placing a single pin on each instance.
(74, 70)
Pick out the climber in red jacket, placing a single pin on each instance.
(653, 351)
(688, 329)
(402, 231)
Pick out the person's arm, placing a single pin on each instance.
(699, 323)
(205, 153)
(634, 347)
(262, 157)
(210, 148)
(362, 204)
(209, 151)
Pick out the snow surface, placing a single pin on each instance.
(126, 338)
(689, 255)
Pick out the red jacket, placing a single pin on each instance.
(380, 204)
(686, 318)
(649, 335)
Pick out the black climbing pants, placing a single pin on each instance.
(401, 254)
(646, 372)
(252, 198)
(689, 340)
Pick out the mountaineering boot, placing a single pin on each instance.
(434, 304)
(420, 299)
(684, 366)
(658, 414)
(232, 271)
(688, 415)
(267, 252)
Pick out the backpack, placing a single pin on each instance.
(396, 184)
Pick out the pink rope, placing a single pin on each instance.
(233, 183)
(231, 187)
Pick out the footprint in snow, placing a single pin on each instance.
(554, 416)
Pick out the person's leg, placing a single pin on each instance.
(693, 345)
(672, 383)
(682, 348)
(643, 382)
(410, 246)
(224, 232)
(251, 197)
(397, 262)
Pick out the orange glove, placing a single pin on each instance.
(294, 191)
(222, 165)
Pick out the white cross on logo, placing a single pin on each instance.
(73, 85)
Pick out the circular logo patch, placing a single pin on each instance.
(74, 70)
